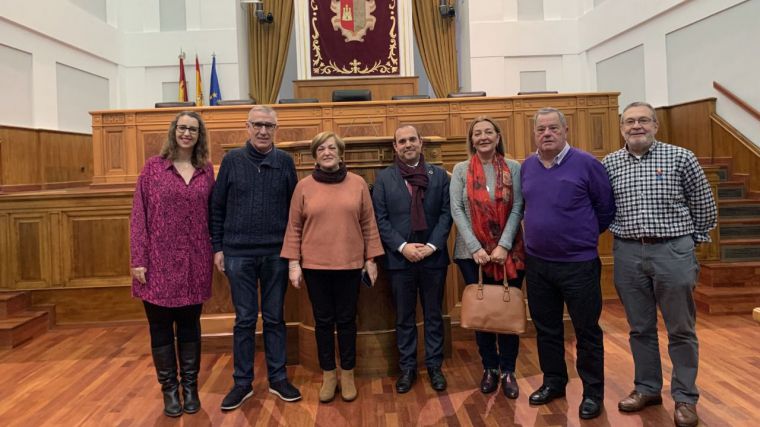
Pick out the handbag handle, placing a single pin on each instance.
(506, 297)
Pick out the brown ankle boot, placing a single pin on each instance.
(329, 385)
(347, 386)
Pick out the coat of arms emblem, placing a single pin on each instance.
(353, 18)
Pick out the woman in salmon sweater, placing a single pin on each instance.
(331, 237)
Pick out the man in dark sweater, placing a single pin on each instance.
(249, 214)
(568, 204)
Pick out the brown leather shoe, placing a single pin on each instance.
(686, 415)
(637, 401)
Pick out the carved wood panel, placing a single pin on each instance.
(29, 250)
(98, 246)
(115, 157)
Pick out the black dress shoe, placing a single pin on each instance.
(490, 381)
(545, 394)
(437, 380)
(509, 385)
(590, 408)
(406, 380)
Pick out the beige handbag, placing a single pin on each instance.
(492, 308)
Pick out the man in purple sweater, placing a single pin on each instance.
(568, 203)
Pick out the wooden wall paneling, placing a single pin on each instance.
(30, 250)
(522, 135)
(383, 88)
(21, 153)
(97, 252)
(359, 119)
(439, 117)
(150, 140)
(430, 119)
(6, 277)
(83, 306)
(453, 151)
(304, 130)
(66, 158)
(301, 122)
(689, 126)
(528, 144)
(98, 149)
(114, 152)
(745, 156)
(597, 128)
(57, 247)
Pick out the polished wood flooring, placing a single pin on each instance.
(103, 376)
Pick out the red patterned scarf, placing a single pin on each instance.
(489, 217)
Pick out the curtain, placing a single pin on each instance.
(268, 50)
(436, 40)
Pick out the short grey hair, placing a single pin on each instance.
(263, 109)
(639, 104)
(550, 110)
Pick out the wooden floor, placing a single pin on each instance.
(105, 377)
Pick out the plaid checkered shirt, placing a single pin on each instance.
(665, 193)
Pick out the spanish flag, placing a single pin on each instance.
(198, 89)
(182, 82)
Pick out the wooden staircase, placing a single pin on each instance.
(19, 321)
(732, 285)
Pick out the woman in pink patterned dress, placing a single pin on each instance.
(171, 255)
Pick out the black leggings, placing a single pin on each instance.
(161, 321)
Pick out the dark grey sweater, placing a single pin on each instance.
(250, 203)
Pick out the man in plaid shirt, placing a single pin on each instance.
(664, 208)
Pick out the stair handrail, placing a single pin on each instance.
(738, 101)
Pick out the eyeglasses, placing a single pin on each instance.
(182, 129)
(643, 121)
(262, 125)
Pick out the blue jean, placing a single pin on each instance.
(244, 274)
(505, 357)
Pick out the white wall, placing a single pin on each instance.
(126, 49)
(672, 50)
(579, 45)
(722, 48)
(16, 86)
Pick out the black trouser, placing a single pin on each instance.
(333, 295)
(505, 357)
(406, 284)
(161, 321)
(575, 284)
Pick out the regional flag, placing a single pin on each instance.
(198, 88)
(182, 82)
(214, 94)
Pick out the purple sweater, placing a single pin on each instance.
(567, 207)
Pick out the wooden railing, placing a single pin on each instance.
(738, 101)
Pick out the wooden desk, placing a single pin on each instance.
(383, 88)
(123, 139)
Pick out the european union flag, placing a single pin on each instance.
(214, 94)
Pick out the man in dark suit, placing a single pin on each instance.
(411, 200)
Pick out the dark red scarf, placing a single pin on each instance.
(416, 177)
(489, 217)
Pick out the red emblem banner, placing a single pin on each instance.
(353, 38)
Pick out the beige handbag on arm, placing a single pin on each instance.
(492, 308)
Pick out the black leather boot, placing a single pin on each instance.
(165, 360)
(189, 365)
